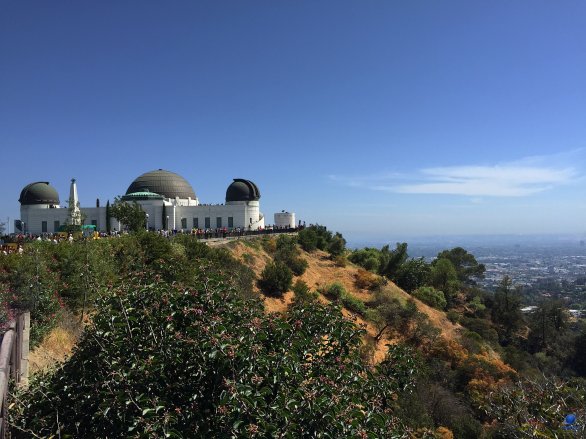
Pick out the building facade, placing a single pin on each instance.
(168, 200)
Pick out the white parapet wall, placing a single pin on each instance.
(285, 219)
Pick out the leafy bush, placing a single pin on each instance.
(534, 407)
(308, 239)
(337, 293)
(334, 291)
(303, 293)
(298, 265)
(453, 316)
(431, 296)
(354, 304)
(28, 282)
(340, 261)
(372, 264)
(367, 258)
(482, 327)
(288, 253)
(166, 361)
(275, 279)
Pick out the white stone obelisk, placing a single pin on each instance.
(74, 212)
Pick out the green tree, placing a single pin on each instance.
(391, 260)
(308, 239)
(466, 265)
(314, 237)
(164, 218)
(444, 277)
(413, 274)
(546, 324)
(337, 245)
(578, 361)
(506, 309)
(108, 217)
(129, 214)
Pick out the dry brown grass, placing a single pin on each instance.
(57, 345)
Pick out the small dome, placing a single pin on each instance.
(242, 190)
(161, 182)
(40, 192)
(146, 195)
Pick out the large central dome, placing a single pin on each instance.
(161, 182)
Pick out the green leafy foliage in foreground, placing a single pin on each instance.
(162, 360)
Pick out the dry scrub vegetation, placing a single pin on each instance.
(322, 271)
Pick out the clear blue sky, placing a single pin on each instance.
(392, 118)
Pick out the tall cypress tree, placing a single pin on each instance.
(164, 217)
(108, 216)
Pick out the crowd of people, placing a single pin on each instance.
(15, 243)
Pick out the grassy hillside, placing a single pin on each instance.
(185, 340)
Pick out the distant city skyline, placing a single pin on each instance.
(379, 119)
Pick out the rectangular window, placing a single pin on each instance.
(207, 220)
(56, 226)
(196, 223)
(44, 226)
(183, 223)
(219, 221)
(230, 221)
(95, 223)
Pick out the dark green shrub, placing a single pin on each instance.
(372, 264)
(288, 253)
(368, 258)
(453, 316)
(334, 291)
(431, 296)
(314, 237)
(354, 304)
(308, 239)
(29, 282)
(337, 245)
(482, 327)
(303, 292)
(154, 246)
(275, 279)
